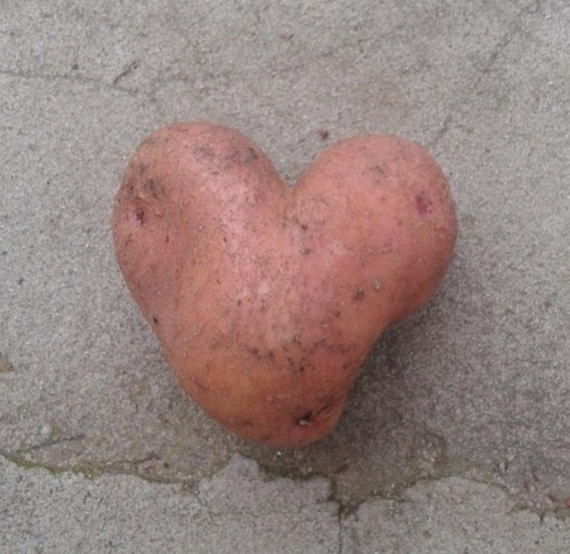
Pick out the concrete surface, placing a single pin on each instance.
(455, 438)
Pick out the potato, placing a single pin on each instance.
(266, 299)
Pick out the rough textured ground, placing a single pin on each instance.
(455, 438)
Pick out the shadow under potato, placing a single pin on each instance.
(378, 446)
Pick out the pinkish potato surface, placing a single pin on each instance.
(266, 299)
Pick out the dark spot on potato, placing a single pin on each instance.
(254, 352)
(238, 302)
(251, 155)
(306, 251)
(139, 215)
(199, 386)
(385, 247)
(328, 404)
(269, 355)
(304, 227)
(152, 140)
(378, 170)
(155, 319)
(246, 423)
(153, 187)
(358, 294)
(338, 313)
(225, 239)
(321, 343)
(239, 157)
(305, 419)
(203, 152)
(167, 239)
(142, 167)
(423, 204)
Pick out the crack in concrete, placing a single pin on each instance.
(443, 130)
(340, 528)
(54, 441)
(101, 470)
(49, 77)
(148, 92)
(76, 79)
(94, 469)
(126, 72)
(513, 28)
(344, 510)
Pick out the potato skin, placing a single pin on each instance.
(265, 298)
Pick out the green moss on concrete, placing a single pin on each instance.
(5, 365)
(88, 471)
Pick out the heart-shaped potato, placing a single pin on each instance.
(266, 298)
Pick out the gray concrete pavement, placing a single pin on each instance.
(455, 437)
(237, 510)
